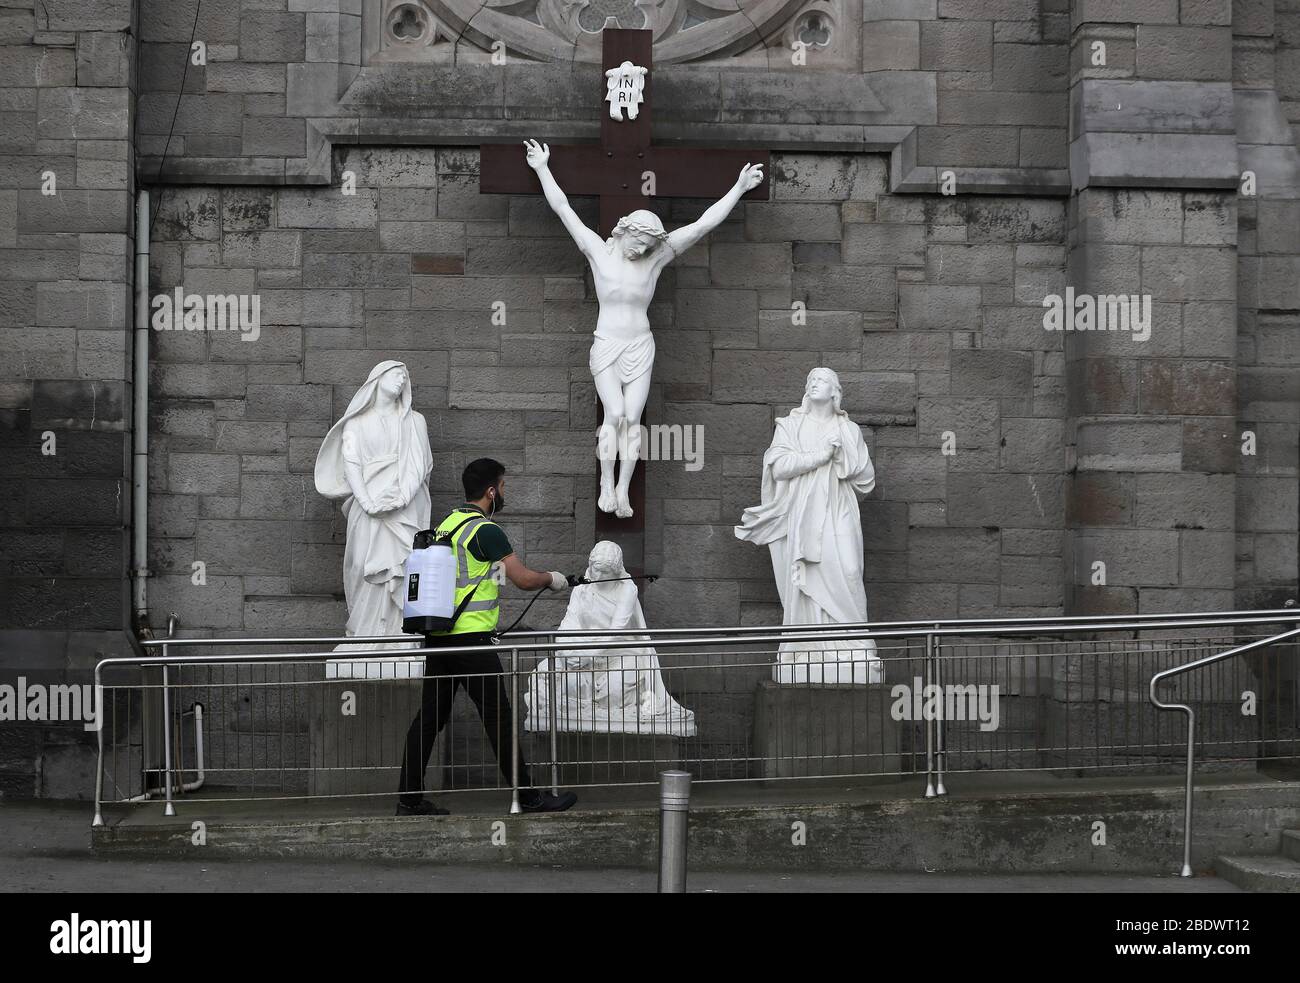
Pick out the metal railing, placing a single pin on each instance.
(1167, 674)
(1069, 696)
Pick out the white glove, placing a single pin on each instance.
(559, 581)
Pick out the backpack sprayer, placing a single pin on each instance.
(429, 605)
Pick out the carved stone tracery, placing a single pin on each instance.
(747, 33)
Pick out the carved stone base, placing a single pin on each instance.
(813, 730)
(398, 667)
(361, 752)
(858, 672)
(602, 759)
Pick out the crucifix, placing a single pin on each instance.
(627, 251)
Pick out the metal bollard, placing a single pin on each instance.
(674, 808)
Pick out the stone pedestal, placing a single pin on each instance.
(803, 731)
(361, 752)
(602, 759)
(398, 667)
(827, 670)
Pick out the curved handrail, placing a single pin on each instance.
(1159, 704)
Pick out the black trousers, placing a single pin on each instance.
(444, 675)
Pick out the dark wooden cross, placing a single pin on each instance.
(613, 170)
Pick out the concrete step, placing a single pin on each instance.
(1291, 844)
(1273, 874)
(992, 824)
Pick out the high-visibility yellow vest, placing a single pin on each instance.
(483, 612)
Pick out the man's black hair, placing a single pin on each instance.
(479, 476)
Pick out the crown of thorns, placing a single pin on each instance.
(630, 225)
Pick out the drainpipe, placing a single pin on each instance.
(140, 422)
(179, 787)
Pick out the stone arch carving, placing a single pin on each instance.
(685, 31)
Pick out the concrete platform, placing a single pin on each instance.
(44, 848)
(1002, 824)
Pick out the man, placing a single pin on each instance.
(478, 543)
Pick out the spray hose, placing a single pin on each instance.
(649, 578)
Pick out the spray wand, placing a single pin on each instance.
(576, 581)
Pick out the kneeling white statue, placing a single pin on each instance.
(813, 473)
(605, 691)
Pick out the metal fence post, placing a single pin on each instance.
(940, 738)
(929, 724)
(674, 806)
(169, 809)
(514, 732)
(550, 702)
(1187, 793)
(99, 759)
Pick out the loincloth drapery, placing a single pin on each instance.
(633, 358)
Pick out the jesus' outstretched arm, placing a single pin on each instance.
(538, 156)
(680, 240)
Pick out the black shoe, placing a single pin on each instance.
(531, 800)
(422, 808)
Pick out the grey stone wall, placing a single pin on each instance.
(1266, 90)
(66, 110)
(1068, 449)
(1163, 491)
(928, 307)
(1102, 177)
(1152, 420)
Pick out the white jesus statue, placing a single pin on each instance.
(813, 473)
(625, 268)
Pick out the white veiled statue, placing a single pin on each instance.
(813, 472)
(377, 460)
(606, 691)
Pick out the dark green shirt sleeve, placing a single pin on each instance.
(490, 543)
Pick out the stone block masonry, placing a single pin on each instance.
(909, 311)
(1011, 459)
(67, 161)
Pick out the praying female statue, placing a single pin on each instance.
(625, 268)
(813, 473)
